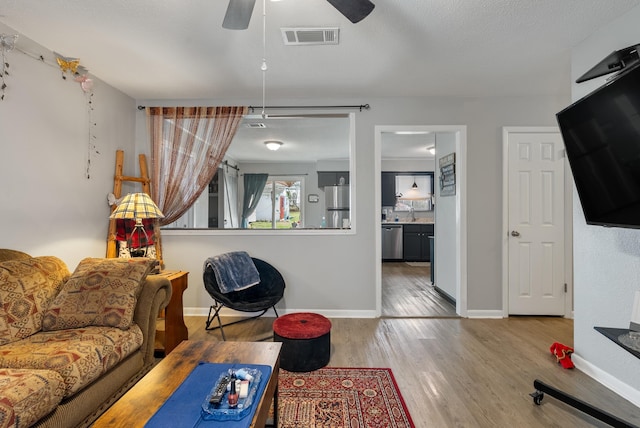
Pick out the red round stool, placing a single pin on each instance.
(306, 341)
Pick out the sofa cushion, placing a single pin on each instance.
(80, 355)
(100, 292)
(28, 395)
(27, 287)
(8, 254)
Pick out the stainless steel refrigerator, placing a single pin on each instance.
(337, 207)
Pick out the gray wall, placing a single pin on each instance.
(606, 260)
(55, 210)
(336, 273)
(47, 131)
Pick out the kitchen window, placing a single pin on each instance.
(420, 185)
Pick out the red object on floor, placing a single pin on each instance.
(562, 354)
(302, 325)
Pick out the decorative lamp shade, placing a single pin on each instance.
(137, 206)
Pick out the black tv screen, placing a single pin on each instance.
(601, 133)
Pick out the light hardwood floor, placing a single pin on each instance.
(407, 292)
(455, 372)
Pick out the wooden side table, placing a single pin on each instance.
(170, 327)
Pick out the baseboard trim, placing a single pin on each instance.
(494, 314)
(330, 313)
(445, 295)
(616, 385)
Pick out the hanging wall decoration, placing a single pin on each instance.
(7, 43)
(86, 83)
(67, 65)
(448, 175)
(92, 149)
(81, 75)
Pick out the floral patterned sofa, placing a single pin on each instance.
(72, 343)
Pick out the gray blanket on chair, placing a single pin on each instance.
(234, 271)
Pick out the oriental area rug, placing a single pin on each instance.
(341, 398)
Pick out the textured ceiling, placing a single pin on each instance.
(176, 49)
(159, 49)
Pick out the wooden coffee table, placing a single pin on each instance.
(142, 401)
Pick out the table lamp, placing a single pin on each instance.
(137, 206)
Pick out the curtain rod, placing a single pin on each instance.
(253, 108)
(358, 107)
(280, 175)
(228, 165)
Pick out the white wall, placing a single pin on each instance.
(49, 206)
(335, 274)
(606, 260)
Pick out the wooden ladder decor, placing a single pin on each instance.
(112, 251)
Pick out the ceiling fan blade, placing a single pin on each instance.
(238, 14)
(354, 10)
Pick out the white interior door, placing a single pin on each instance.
(535, 232)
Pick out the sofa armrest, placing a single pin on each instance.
(154, 296)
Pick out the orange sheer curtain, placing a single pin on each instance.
(187, 145)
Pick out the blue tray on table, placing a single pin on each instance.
(185, 408)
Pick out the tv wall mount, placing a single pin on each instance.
(616, 61)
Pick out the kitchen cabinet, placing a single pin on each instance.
(416, 242)
(388, 185)
(332, 178)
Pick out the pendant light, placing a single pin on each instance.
(413, 194)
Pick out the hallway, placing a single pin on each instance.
(407, 292)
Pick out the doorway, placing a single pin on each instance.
(451, 267)
(407, 292)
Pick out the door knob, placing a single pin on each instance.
(515, 233)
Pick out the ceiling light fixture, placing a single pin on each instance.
(273, 145)
(431, 150)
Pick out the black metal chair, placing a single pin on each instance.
(259, 298)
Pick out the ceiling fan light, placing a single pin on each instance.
(273, 145)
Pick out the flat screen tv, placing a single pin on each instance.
(601, 133)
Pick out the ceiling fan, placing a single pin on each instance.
(239, 12)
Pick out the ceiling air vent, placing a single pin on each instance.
(256, 125)
(311, 36)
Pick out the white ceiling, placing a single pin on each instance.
(173, 49)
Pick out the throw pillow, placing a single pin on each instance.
(101, 292)
(27, 287)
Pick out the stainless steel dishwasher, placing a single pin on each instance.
(391, 242)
